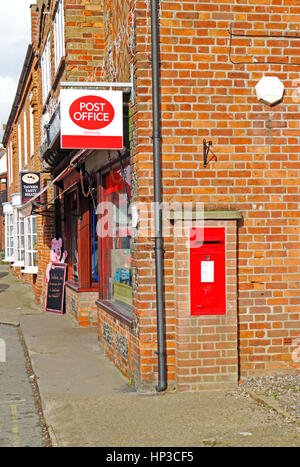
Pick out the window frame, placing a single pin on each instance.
(9, 164)
(9, 233)
(121, 311)
(18, 236)
(84, 240)
(59, 34)
(68, 246)
(31, 124)
(20, 145)
(46, 69)
(25, 138)
(94, 252)
(29, 234)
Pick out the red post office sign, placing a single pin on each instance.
(207, 272)
(91, 119)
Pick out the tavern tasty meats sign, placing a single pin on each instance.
(30, 186)
(91, 119)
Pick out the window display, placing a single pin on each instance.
(116, 245)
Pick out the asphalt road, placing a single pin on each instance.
(19, 418)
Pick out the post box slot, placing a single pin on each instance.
(208, 242)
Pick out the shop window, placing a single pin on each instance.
(115, 232)
(31, 262)
(9, 237)
(59, 36)
(46, 70)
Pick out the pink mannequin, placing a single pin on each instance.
(55, 255)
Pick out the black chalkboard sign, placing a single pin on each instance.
(56, 288)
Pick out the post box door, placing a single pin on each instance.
(207, 272)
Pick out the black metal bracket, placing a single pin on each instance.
(43, 214)
(206, 149)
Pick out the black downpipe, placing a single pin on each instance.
(162, 383)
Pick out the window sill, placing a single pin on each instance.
(8, 260)
(114, 311)
(18, 264)
(30, 270)
(46, 102)
(78, 289)
(59, 72)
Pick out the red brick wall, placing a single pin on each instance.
(256, 168)
(84, 39)
(81, 306)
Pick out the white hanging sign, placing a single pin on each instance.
(91, 119)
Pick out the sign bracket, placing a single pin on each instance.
(94, 85)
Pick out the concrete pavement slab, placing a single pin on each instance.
(68, 359)
(165, 420)
(87, 402)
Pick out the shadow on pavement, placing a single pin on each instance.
(3, 287)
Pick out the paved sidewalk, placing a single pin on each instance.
(87, 402)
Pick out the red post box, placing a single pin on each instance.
(207, 271)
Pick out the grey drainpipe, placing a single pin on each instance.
(162, 383)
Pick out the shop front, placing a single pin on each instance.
(96, 235)
(97, 239)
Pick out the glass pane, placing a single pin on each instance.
(28, 226)
(94, 240)
(72, 225)
(34, 242)
(118, 280)
(34, 224)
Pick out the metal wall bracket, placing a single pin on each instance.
(206, 149)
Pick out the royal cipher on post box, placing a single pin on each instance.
(207, 271)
